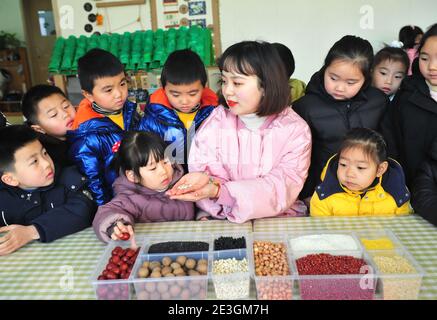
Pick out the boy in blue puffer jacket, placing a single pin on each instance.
(101, 120)
(177, 110)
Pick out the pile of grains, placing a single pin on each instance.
(229, 243)
(178, 246)
(236, 287)
(326, 243)
(402, 287)
(330, 288)
(271, 260)
(377, 244)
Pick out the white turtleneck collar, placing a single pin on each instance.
(433, 90)
(252, 121)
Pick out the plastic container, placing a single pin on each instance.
(278, 287)
(176, 237)
(170, 288)
(235, 235)
(360, 286)
(231, 286)
(397, 285)
(378, 239)
(120, 289)
(356, 252)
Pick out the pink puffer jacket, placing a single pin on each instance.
(262, 171)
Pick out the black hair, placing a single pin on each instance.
(354, 49)
(183, 67)
(392, 54)
(135, 150)
(260, 59)
(13, 138)
(431, 32)
(408, 35)
(287, 58)
(369, 141)
(96, 64)
(31, 99)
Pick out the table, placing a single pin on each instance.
(61, 270)
(416, 234)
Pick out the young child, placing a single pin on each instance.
(49, 112)
(297, 86)
(339, 98)
(250, 158)
(410, 125)
(424, 192)
(101, 120)
(177, 110)
(37, 201)
(390, 67)
(361, 181)
(145, 174)
(410, 36)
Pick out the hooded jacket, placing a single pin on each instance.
(261, 171)
(410, 125)
(424, 198)
(387, 196)
(331, 119)
(92, 143)
(162, 119)
(134, 203)
(63, 208)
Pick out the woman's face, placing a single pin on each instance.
(428, 60)
(343, 79)
(242, 93)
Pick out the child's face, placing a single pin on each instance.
(428, 60)
(357, 171)
(184, 97)
(55, 116)
(242, 93)
(388, 75)
(110, 93)
(33, 168)
(157, 175)
(343, 79)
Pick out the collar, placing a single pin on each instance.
(393, 182)
(431, 87)
(252, 121)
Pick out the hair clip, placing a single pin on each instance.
(396, 44)
(116, 146)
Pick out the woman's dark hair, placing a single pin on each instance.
(432, 32)
(255, 58)
(287, 58)
(369, 141)
(135, 151)
(392, 54)
(354, 49)
(408, 35)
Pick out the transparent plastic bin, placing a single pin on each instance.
(398, 286)
(338, 287)
(215, 236)
(378, 234)
(120, 289)
(171, 288)
(177, 237)
(231, 286)
(357, 252)
(272, 287)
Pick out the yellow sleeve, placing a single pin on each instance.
(405, 209)
(319, 208)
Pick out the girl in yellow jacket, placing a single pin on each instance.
(361, 181)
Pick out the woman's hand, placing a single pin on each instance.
(210, 190)
(189, 184)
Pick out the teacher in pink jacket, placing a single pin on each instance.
(250, 158)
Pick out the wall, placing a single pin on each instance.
(11, 17)
(309, 28)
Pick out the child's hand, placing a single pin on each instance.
(122, 232)
(16, 237)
